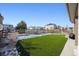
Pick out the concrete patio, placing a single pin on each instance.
(69, 48)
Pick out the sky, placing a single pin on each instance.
(35, 14)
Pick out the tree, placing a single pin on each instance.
(21, 27)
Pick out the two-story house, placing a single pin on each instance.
(50, 27)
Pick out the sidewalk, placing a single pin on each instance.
(69, 48)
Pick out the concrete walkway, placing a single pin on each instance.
(69, 48)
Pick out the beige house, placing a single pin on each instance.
(50, 27)
(73, 15)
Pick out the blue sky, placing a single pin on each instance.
(35, 14)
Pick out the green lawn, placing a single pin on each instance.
(50, 45)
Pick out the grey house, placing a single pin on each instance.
(1, 22)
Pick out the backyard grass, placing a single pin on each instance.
(50, 45)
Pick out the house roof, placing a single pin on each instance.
(50, 24)
(72, 11)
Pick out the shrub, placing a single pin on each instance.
(21, 50)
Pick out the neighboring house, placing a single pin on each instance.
(30, 30)
(63, 29)
(50, 27)
(39, 30)
(1, 19)
(31, 27)
(1, 22)
(59, 27)
(35, 30)
(8, 28)
(70, 29)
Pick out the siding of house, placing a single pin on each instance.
(76, 31)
